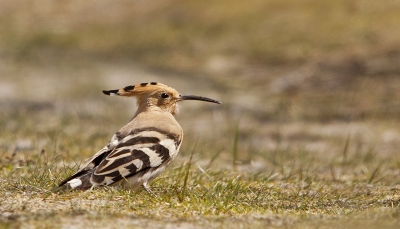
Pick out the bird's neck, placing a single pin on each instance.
(144, 107)
(148, 110)
(161, 119)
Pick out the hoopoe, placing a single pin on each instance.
(142, 149)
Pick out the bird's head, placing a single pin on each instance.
(156, 96)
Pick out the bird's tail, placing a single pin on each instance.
(76, 183)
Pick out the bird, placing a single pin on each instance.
(142, 149)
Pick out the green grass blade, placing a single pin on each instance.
(345, 150)
(374, 174)
(184, 188)
(235, 147)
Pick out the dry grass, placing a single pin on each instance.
(307, 136)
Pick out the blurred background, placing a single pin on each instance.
(313, 83)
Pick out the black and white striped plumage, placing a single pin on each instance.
(142, 154)
(142, 149)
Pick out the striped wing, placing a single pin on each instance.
(139, 150)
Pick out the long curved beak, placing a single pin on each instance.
(195, 97)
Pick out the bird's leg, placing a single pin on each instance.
(144, 185)
(91, 188)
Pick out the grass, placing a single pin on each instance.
(226, 196)
(313, 83)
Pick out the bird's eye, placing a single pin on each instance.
(164, 95)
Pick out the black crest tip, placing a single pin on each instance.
(111, 92)
(129, 88)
